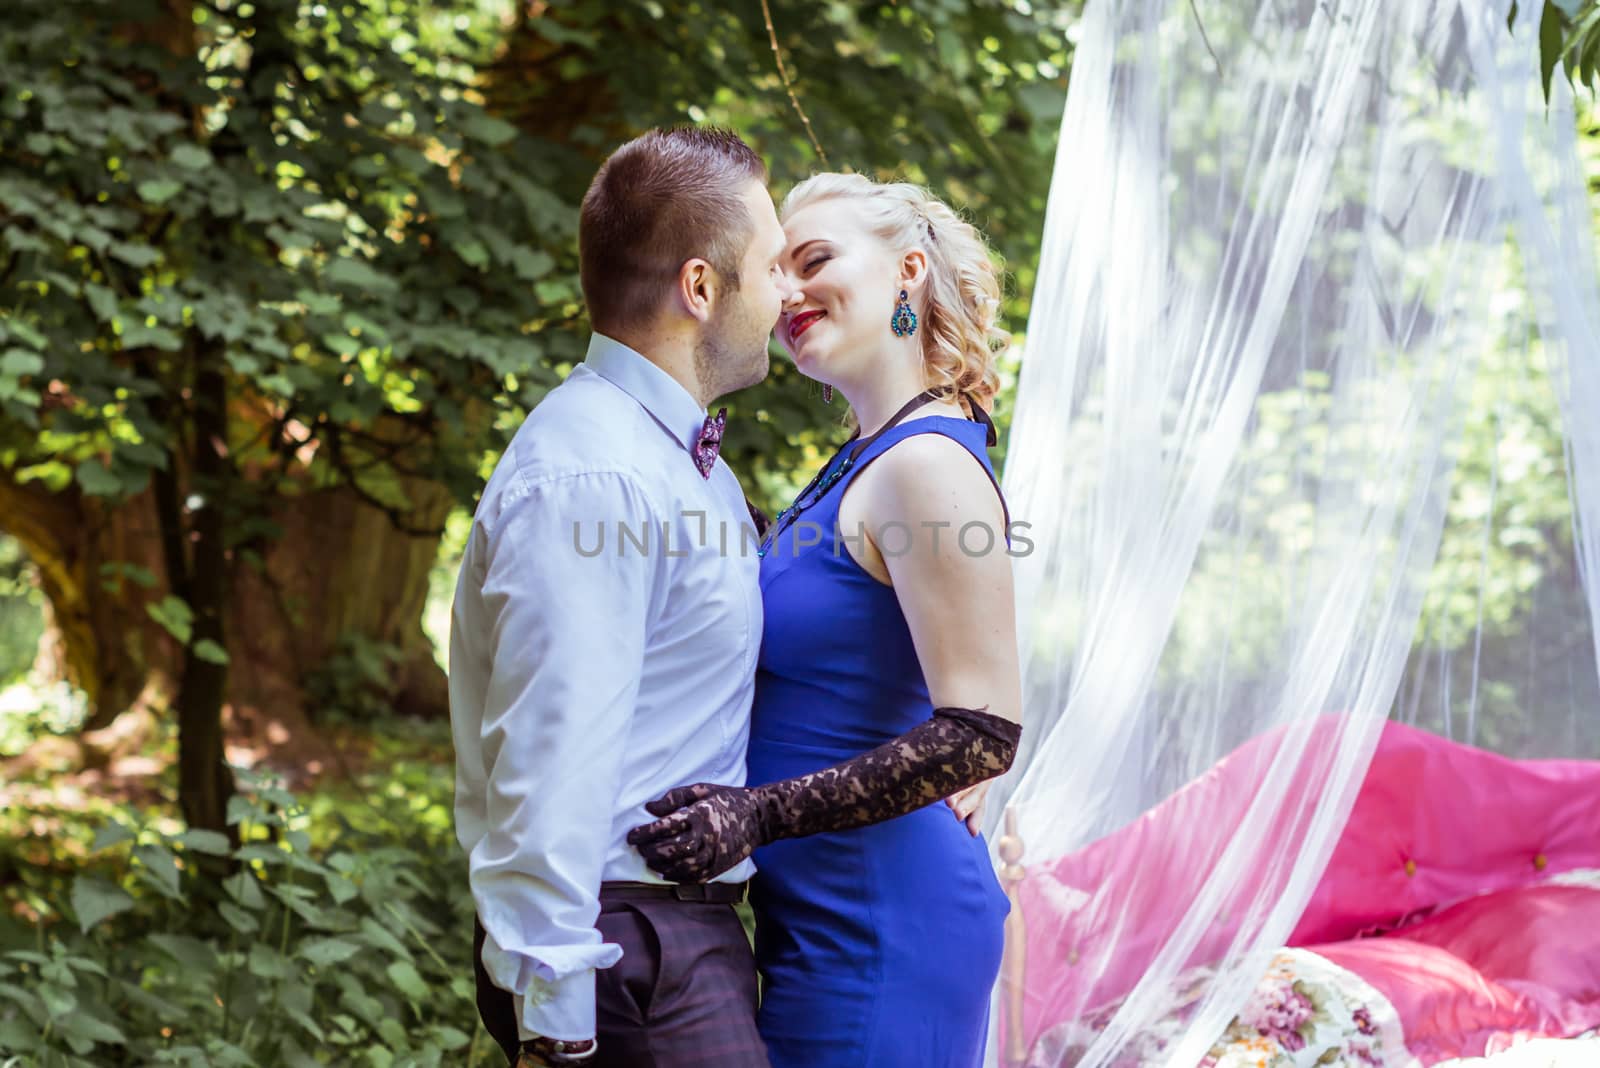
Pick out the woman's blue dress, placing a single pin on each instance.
(878, 947)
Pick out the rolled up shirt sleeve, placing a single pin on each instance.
(560, 632)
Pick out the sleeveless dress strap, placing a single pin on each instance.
(962, 431)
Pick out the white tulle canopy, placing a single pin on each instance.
(1308, 434)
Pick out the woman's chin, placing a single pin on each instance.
(805, 359)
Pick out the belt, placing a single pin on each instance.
(702, 893)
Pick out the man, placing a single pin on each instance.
(605, 630)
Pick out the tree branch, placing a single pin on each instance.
(353, 482)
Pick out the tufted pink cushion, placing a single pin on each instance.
(1436, 822)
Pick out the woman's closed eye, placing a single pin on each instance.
(814, 264)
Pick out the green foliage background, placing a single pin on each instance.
(355, 222)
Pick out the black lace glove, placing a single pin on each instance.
(706, 829)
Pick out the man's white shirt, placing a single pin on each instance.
(588, 674)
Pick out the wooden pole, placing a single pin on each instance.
(1014, 963)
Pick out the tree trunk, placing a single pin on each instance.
(99, 635)
(277, 608)
(339, 567)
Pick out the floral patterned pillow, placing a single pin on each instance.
(1309, 1011)
(1306, 1011)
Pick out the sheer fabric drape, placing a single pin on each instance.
(1287, 245)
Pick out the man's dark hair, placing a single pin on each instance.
(663, 198)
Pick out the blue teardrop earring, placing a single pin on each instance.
(904, 320)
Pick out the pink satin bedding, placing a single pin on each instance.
(1444, 893)
(1487, 973)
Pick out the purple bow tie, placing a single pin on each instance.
(705, 450)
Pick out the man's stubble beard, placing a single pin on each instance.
(732, 355)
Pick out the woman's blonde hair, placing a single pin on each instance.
(961, 338)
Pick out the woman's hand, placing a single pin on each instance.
(968, 805)
(703, 831)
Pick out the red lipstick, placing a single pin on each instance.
(800, 323)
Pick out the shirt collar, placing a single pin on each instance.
(660, 394)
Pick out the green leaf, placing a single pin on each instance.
(140, 336)
(25, 333)
(359, 275)
(159, 868)
(245, 889)
(102, 301)
(27, 1000)
(222, 1054)
(238, 918)
(19, 240)
(188, 951)
(95, 900)
(391, 1033)
(268, 963)
(451, 1039)
(308, 1023)
(57, 1001)
(473, 252)
(298, 903)
(341, 889)
(554, 292)
(488, 129)
(322, 952)
(191, 157)
(109, 834)
(89, 1029)
(381, 936)
(277, 383)
(266, 854)
(1552, 26)
(17, 1037)
(320, 303)
(531, 265)
(1043, 100)
(174, 615)
(96, 480)
(242, 809)
(343, 344)
(87, 964)
(406, 979)
(360, 325)
(211, 652)
(135, 255)
(153, 1004)
(159, 190)
(19, 362)
(201, 841)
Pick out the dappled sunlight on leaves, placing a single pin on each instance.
(345, 924)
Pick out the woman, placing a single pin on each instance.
(887, 589)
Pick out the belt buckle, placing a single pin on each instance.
(690, 892)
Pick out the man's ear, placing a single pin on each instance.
(913, 270)
(696, 289)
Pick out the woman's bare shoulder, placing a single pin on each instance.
(931, 475)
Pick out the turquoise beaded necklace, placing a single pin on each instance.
(833, 470)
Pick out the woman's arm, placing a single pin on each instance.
(954, 586)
